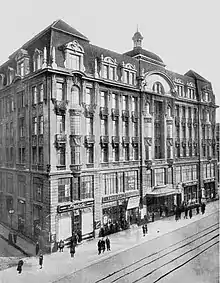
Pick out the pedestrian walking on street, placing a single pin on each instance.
(41, 260)
(99, 246)
(203, 208)
(15, 237)
(161, 211)
(180, 212)
(146, 229)
(10, 238)
(72, 250)
(103, 245)
(190, 213)
(20, 264)
(197, 209)
(61, 245)
(186, 212)
(37, 247)
(107, 241)
(176, 213)
(143, 229)
(166, 211)
(152, 216)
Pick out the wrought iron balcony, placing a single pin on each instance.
(115, 113)
(76, 169)
(125, 140)
(134, 116)
(89, 110)
(104, 139)
(60, 106)
(89, 139)
(115, 140)
(135, 140)
(103, 112)
(60, 140)
(125, 115)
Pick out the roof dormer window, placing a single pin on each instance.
(11, 74)
(22, 59)
(128, 73)
(180, 90)
(108, 68)
(73, 53)
(37, 60)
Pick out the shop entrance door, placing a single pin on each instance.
(77, 224)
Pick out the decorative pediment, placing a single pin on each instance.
(190, 84)
(74, 46)
(108, 60)
(178, 81)
(21, 54)
(129, 66)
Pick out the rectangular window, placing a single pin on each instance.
(159, 176)
(124, 102)
(41, 155)
(105, 72)
(134, 104)
(126, 153)
(61, 156)
(21, 155)
(34, 125)
(105, 154)
(120, 180)
(135, 129)
(21, 186)
(34, 95)
(34, 155)
(41, 93)
(88, 98)
(21, 69)
(60, 124)
(90, 155)
(60, 91)
(38, 189)
(104, 127)
(111, 73)
(115, 153)
(41, 125)
(169, 176)
(9, 183)
(89, 126)
(21, 127)
(148, 178)
(135, 153)
(86, 187)
(115, 130)
(126, 77)
(75, 125)
(125, 128)
(64, 190)
(114, 101)
(103, 102)
(75, 155)
(110, 183)
(130, 179)
(74, 62)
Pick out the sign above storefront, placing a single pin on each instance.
(75, 205)
(209, 180)
(133, 202)
(192, 183)
(120, 196)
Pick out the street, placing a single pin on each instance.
(189, 254)
(8, 255)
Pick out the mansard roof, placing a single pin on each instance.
(140, 51)
(195, 75)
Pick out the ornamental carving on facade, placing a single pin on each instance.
(75, 112)
(148, 141)
(75, 140)
(195, 144)
(170, 141)
(76, 81)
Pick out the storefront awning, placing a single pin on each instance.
(133, 202)
(161, 191)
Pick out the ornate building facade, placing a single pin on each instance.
(89, 136)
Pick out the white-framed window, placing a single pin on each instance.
(88, 98)
(180, 90)
(129, 73)
(108, 68)
(60, 91)
(104, 99)
(34, 125)
(124, 102)
(37, 60)
(158, 88)
(21, 68)
(73, 52)
(75, 96)
(60, 124)
(206, 97)
(89, 126)
(134, 103)
(41, 125)
(41, 93)
(159, 176)
(34, 95)
(114, 101)
(191, 93)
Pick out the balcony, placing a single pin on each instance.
(89, 110)
(75, 140)
(134, 116)
(183, 121)
(76, 169)
(60, 106)
(135, 141)
(189, 123)
(89, 140)
(115, 113)
(103, 113)
(177, 120)
(115, 140)
(125, 140)
(125, 115)
(104, 139)
(60, 140)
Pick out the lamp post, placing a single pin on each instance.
(11, 211)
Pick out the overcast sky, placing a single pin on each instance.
(184, 33)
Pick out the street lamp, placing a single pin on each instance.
(11, 211)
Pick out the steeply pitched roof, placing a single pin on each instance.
(194, 75)
(64, 27)
(141, 51)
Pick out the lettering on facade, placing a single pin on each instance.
(74, 206)
(119, 196)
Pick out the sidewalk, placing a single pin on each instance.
(58, 265)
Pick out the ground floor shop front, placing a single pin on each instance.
(209, 189)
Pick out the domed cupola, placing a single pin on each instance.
(137, 39)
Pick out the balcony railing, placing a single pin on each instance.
(103, 112)
(76, 169)
(89, 139)
(115, 113)
(60, 106)
(125, 140)
(75, 140)
(125, 115)
(115, 140)
(104, 139)
(60, 140)
(89, 110)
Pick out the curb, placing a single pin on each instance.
(16, 246)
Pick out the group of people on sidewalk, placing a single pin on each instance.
(102, 244)
(188, 210)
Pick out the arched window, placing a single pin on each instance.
(148, 108)
(75, 96)
(158, 88)
(169, 111)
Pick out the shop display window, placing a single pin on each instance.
(64, 190)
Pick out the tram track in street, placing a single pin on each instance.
(124, 272)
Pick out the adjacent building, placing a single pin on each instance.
(89, 136)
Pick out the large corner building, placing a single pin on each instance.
(89, 136)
